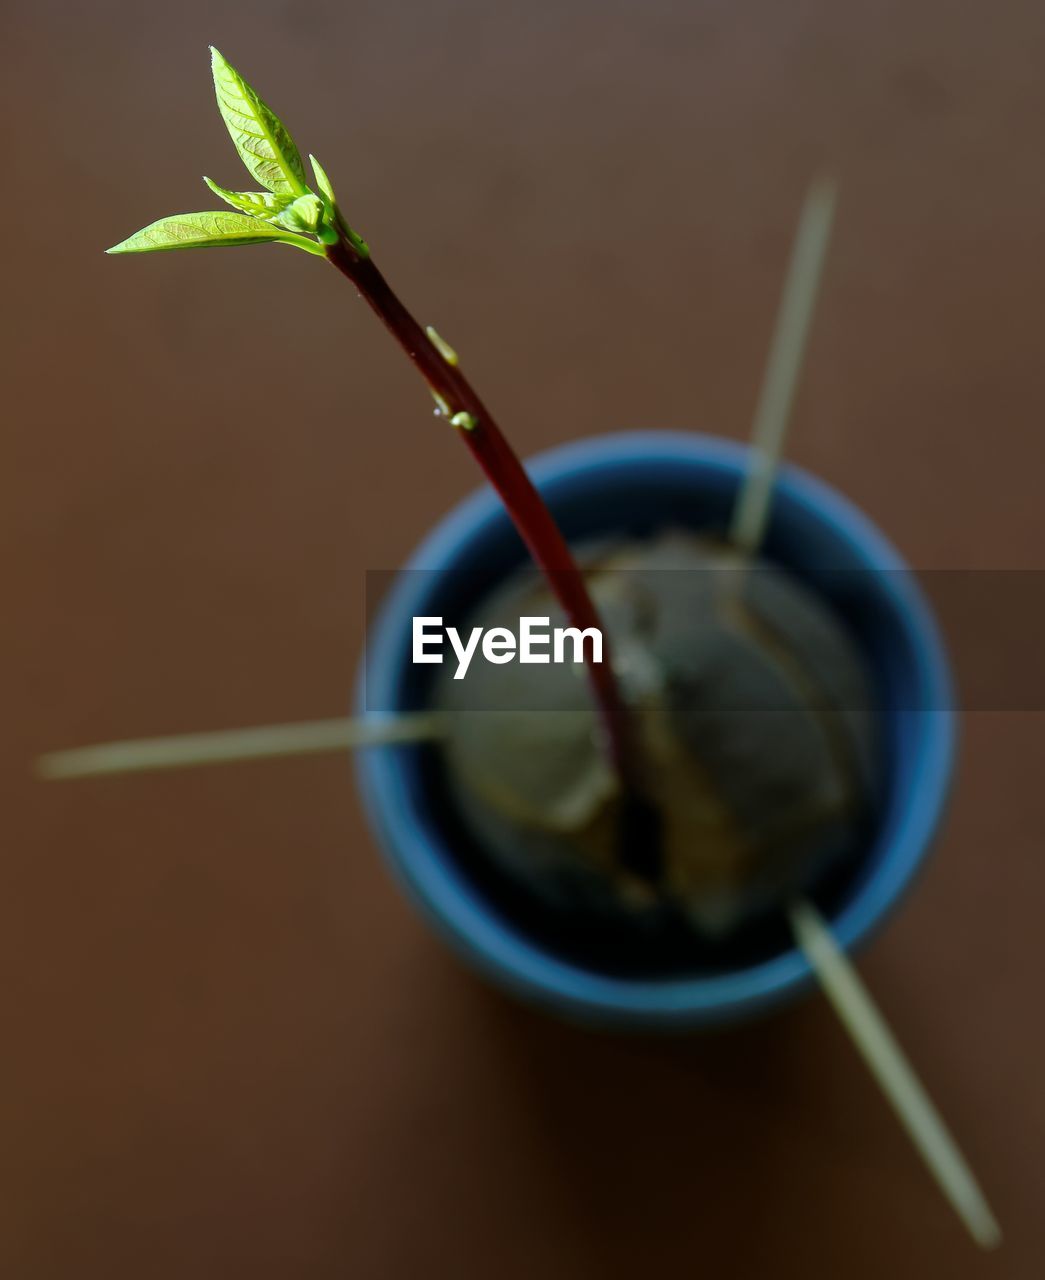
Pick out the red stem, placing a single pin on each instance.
(523, 503)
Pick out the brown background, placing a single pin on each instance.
(229, 1048)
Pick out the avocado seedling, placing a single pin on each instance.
(730, 759)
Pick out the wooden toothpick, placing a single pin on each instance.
(225, 746)
(784, 365)
(896, 1077)
(838, 977)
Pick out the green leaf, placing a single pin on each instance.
(327, 230)
(323, 182)
(305, 214)
(332, 219)
(260, 137)
(208, 230)
(259, 204)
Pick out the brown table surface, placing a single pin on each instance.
(230, 1049)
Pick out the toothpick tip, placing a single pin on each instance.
(889, 1066)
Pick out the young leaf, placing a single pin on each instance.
(323, 182)
(334, 218)
(207, 231)
(260, 137)
(305, 214)
(259, 204)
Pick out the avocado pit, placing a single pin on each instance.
(755, 728)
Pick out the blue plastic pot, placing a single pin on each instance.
(636, 483)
